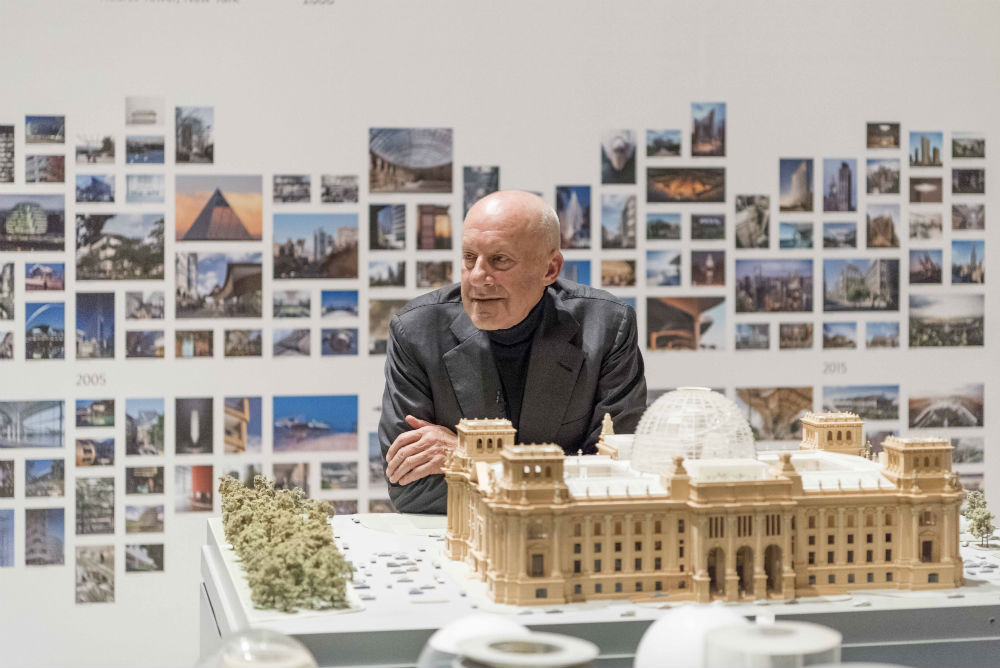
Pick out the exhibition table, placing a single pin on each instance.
(404, 590)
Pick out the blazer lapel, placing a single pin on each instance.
(552, 371)
(472, 371)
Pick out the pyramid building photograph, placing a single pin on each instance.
(218, 208)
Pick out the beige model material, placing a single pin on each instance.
(541, 528)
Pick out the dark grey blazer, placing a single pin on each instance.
(585, 362)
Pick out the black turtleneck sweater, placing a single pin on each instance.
(511, 352)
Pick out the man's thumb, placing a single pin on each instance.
(416, 423)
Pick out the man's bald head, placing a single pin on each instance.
(525, 210)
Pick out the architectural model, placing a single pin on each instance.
(687, 509)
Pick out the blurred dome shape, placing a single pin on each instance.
(693, 423)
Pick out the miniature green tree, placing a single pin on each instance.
(974, 500)
(981, 525)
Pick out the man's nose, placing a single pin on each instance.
(480, 273)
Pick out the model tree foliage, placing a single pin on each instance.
(974, 500)
(286, 546)
(981, 525)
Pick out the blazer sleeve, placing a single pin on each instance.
(407, 392)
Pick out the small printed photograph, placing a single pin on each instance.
(944, 406)
(869, 402)
(144, 480)
(618, 213)
(573, 209)
(665, 226)
(686, 323)
(6, 345)
(925, 149)
(775, 413)
(925, 225)
(95, 452)
(685, 184)
(144, 110)
(218, 208)
(963, 217)
(883, 221)
(663, 143)
(289, 476)
(194, 128)
(95, 574)
(343, 507)
(193, 425)
(243, 343)
(218, 285)
(44, 477)
(44, 129)
(795, 335)
(242, 425)
(478, 182)
(338, 475)
(380, 312)
(339, 305)
(44, 536)
(708, 268)
(971, 481)
(335, 188)
(839, 179)
(291, 343)
(383, 273)
(250, 471)
(7, 155)
(95, 412)
(925, 265)
(618, 157)
(433, 227)
(292, 303)
(376, 473)
(409, 160)
(925, 189)
(44, 331)
(967, 262)
(946, 320)
(883, 135)
(968, 145)
(796, 182)
(44, 276)
(6, 538)
(194, 489)
(144, 305)
(6, 479)
(708, 227)
(311, 423)
(967, 450)
(32, 223)
(32, 424)
(968, 181)
(861, 285)
(145, 189)
(387, 226)
(144, 150)
(189, 344)
(774, 286)
(753, 221)
(44, 169)
(95, 506)
(434, 274)
(840, 335)
(577, 271)
(663, 267)
(290, 188)
(618, 273)
(144, 558)
(95, 325)
(380, 506)
(316, 245)
(753, 336)
(883, 176)
(342, 341)
(144, 420)
(117, 247)
(95, 149)
(882, 334)
(708, 128)
(795, 235)
(95, 188)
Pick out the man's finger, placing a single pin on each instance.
(416, 422)
(408, 463)
(405, 438)
(419, 472)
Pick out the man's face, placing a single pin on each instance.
(504, 270)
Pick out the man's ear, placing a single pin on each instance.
(553, 268)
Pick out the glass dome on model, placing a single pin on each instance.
(693, 423)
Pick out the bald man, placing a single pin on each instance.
(512, 340)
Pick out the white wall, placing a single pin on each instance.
(528, 86)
